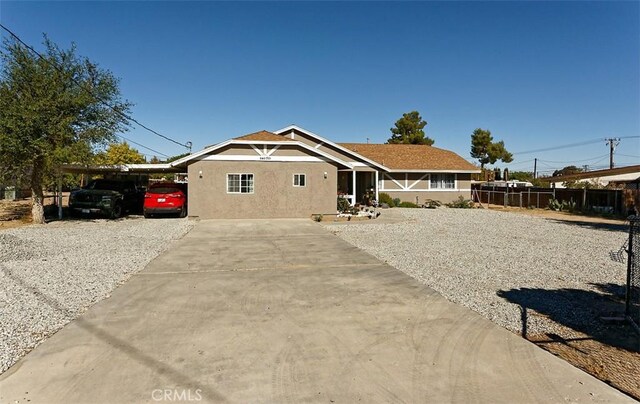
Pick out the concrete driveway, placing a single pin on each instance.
(283, 311)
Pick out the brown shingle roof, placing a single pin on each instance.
(263, 135)
(411, 156)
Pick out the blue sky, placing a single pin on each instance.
(537, 74)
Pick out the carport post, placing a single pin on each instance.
(59, 194)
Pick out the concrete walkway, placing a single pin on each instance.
(283, 311)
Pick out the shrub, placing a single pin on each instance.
(386, 198)
(554, 204)
(461, 203)
(343, 204)
(396, 202)
(567, 206)
(407, 205)
(317, 218)
(431, 204)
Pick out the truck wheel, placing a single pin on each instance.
(116, 211)
(183, 212)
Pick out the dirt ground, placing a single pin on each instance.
(14, 213)
(616, 366)
(550, 214)
(18, 213)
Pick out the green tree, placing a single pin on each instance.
(410, 130)
(53, 110)
(486, 150)
(568, 170)
(177, 157)
(119, 154)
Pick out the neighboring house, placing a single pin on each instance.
(599, 177)
(295, 173)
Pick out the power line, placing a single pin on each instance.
(570, 145)
(122, 114)
(566, 146)
(575, 161)
(141, 145)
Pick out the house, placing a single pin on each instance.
(599, 177)
(293, 172)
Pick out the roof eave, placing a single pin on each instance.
(426, 170)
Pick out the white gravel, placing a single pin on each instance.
(473, 256)
(51, 274)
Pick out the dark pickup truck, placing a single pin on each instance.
(111, 198)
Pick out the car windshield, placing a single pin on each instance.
(104, 184)
(164, 190)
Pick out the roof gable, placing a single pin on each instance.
(263, 138)
(323, 141)
(263, 135)
(412, 157)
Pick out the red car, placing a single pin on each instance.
(166, 198)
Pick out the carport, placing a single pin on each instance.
(137, 172)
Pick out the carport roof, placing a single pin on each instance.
(124, 168)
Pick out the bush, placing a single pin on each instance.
(317, 218)
(431, 204)
(407, 205)
(343, 205)
(385, 198)
(558, 206)
(554, 204)
(396, 202)
(461, 203)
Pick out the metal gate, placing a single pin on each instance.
(632, 305)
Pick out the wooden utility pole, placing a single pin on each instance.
(612, 142)
(535, 168)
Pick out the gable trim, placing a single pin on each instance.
(326, 142)
(252, 143)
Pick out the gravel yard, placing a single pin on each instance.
(496, 263)
(51, 274)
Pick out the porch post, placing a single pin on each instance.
(354, 186)
(377, 186)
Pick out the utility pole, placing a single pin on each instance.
(535, 168)
(585, 167)
(612, 142)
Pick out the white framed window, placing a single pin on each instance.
(299, 180)
(443, 181)
(239, 183)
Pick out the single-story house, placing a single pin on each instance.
(598, 177)
(293, 172)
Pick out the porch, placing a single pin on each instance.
(354, 185)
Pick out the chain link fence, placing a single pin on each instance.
(632, 305)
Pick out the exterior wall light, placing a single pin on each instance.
(326, 175)
(200, 173)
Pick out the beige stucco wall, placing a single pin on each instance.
(463, 181)
(237, 149)
(274, 194)
(421, 189)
